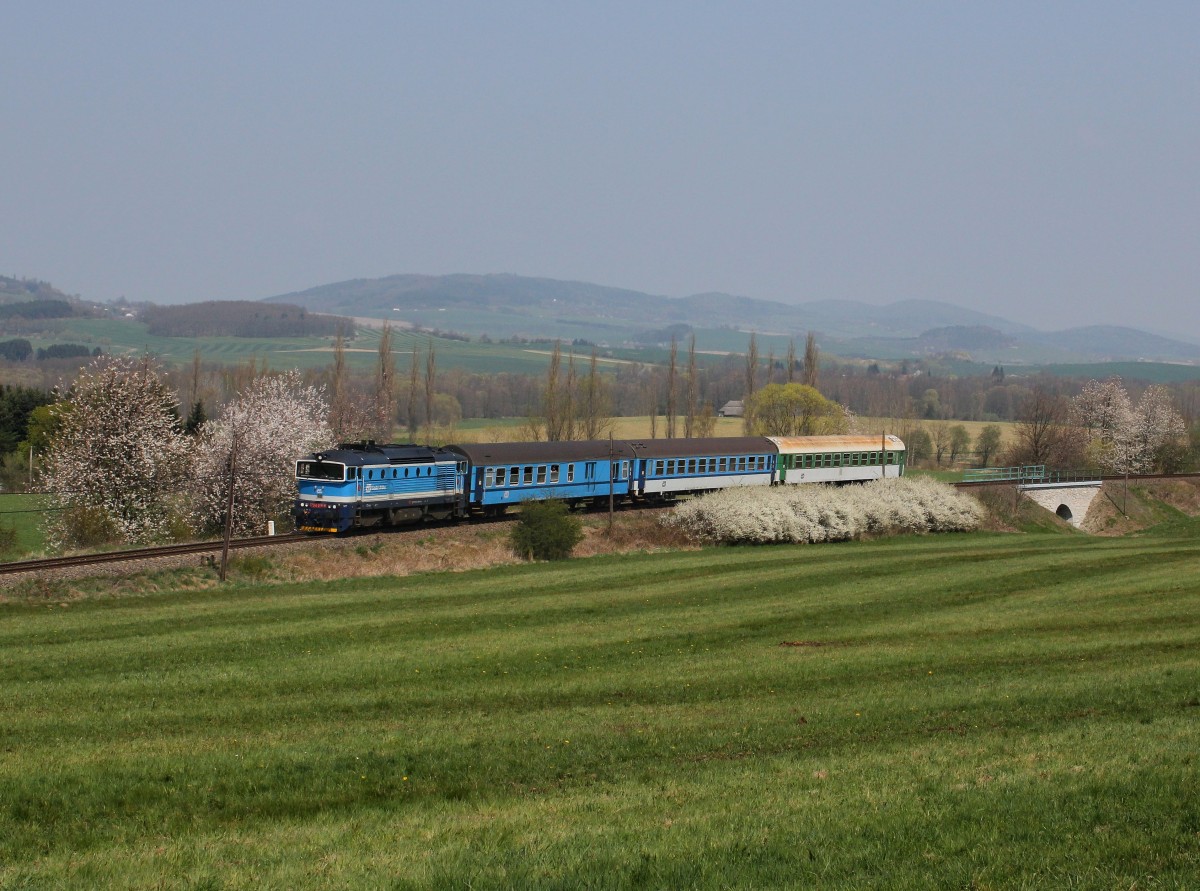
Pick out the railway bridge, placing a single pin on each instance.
(1065, 493)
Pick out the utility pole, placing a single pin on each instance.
(229, 507)
(612, 470)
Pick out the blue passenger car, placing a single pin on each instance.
(666, 468)
(366, 485)
(506, 473)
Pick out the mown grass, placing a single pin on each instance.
(972, 711)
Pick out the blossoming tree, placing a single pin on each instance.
(274, 421)
(1127, 438)
(116, 459)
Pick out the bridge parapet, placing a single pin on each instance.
(1028, 474)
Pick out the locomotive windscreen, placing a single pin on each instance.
(320, 470)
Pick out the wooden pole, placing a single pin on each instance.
(229, 507)
(611, 473)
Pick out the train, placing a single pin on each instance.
(364, 485)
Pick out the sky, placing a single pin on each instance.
(1039, 161)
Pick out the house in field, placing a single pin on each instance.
(734, 408)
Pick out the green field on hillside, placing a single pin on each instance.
(978, 711)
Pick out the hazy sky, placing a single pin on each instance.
(1039, 160)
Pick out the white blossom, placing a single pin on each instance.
(276, 420)
(813, 513)
(1127, 438)
(114, 467)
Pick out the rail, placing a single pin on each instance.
(137, 554)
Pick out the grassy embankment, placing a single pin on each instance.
(970, 711)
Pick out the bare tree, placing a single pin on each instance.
(671, 388)
(791, 360)
(569, 398)
(596, 407)
(812, 361)
(689, 416)
(650, 399)
(414, 383)
(430, 383)
(385, 400)
(552, 399)
(751, 384)
(1043, 434)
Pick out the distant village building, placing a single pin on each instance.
(734, 408)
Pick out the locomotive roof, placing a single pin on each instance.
(713, 445)
(790, 445)
(483, 453)
(363, 454)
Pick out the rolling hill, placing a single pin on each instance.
(505, 306)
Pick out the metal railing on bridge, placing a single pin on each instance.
(1028, 474)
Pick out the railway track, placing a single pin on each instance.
(141, 554)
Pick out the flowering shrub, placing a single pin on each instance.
(826, 513)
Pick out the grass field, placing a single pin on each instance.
(980, 711)
(20, 513)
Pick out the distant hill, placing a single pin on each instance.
(503, 305)
(1106, 342)
(21, 290)
(532, 304)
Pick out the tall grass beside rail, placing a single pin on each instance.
(976, 711)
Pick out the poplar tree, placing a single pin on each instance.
(751, 384)
(689, 417)
(430, 383)
(414, 382)
(671, 388)
(812, 358)
(385, 400)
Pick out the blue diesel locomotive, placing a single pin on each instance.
(365, 485)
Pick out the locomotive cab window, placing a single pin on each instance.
(318, 470)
